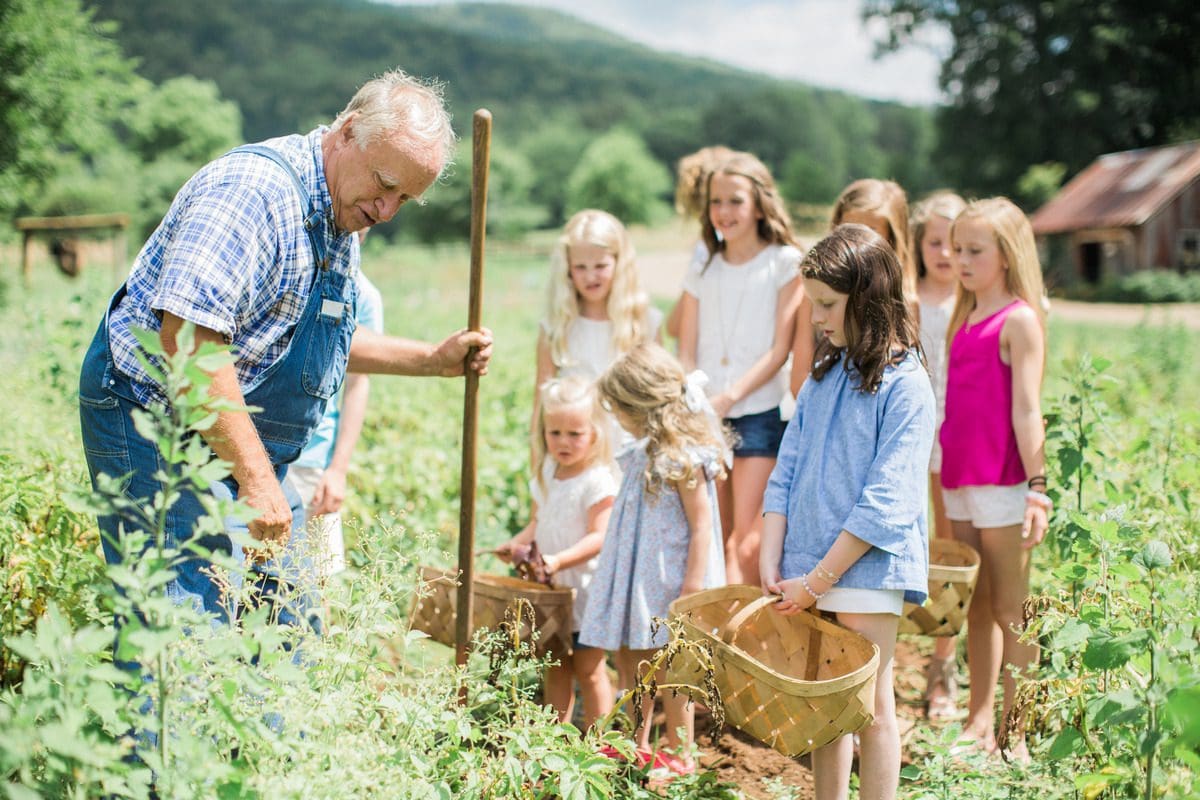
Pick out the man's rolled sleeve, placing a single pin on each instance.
(897, 484)
(217, 262)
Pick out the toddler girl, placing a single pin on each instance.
(572, 500)
(936, 291)
(737, 322)
(664, 539)
(596, 309)
(845, 511)
(993, 441)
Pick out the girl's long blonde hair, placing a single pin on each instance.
(946, 205)
(627, 304)
(647, 385)
(888, 200)
(775, 227)
(572, 392)
(1014, 236)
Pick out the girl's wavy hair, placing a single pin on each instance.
(628, 306)
(572, 392)
(691, 179)
(946, 205)
(888, 200)
(856, 261)
(775, 227)
(1018, 248)
(647, 385)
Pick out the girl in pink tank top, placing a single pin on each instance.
(993, 443)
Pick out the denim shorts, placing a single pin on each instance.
(757, 435)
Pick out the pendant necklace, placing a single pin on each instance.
(727, 337)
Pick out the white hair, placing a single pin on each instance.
(397, 101)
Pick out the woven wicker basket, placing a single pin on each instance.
(953, 569)
(795, 683)
(435, 612)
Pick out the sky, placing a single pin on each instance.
(821, 42)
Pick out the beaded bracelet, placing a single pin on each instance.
(826, 575)
(807, 588)
(1039, 499)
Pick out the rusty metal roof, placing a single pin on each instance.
(1121, 190)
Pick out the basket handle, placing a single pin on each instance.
(748, 610)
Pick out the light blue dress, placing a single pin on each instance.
(644, 557)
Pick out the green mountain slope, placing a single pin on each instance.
(290, 64)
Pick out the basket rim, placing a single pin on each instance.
(953, 573)
(491, 585)
(797, 687)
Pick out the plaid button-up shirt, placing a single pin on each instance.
(232, 255)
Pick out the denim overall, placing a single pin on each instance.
(292, 394)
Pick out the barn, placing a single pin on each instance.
(1128, 211)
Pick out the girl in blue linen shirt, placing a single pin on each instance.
(845, 526)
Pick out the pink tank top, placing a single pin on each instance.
(979, 446)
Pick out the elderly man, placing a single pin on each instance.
(258, 252)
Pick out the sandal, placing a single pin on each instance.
(942, 706)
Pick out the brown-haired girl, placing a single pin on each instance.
(845, 526)
(738, 317)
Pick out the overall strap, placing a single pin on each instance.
(312, 217)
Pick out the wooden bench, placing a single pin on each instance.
(117, 223)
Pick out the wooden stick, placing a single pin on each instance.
(481, 146)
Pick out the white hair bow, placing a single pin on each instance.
(693, 392)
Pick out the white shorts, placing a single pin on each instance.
(863, 601)
(327, 528)
(986, 506)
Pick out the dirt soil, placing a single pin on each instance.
(750, 765)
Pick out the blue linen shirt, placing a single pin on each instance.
(232, 255)
(368, 313)
(859, 462)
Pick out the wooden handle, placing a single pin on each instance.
(748, 610)
(481, 148)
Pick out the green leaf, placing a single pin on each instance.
(1072, 634)
(1155, 555)
(1069, 742)
(1105, 651)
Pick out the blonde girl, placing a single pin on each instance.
(937, 286)
(845, 510)
(737, 322)
(664, 540)
(691, 183)
(596, 309)
(572, 500)
(993, 442)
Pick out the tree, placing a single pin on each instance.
(618, 174)
(1036, 81)
(61, 80)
